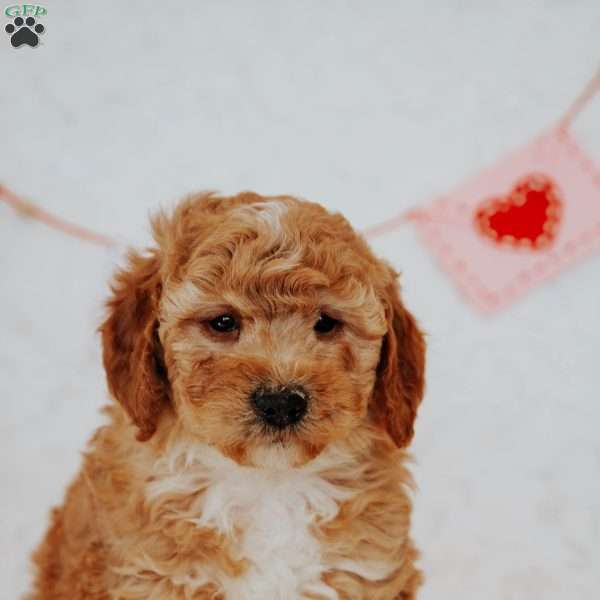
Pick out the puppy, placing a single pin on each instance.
(266, 379)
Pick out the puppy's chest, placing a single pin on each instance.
(274, 522)
(270, 520)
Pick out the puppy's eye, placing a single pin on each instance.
(326, 324)
(224, 324)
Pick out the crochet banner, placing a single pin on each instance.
(498, 234)
(519, 222)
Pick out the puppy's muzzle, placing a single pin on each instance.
(281, 407)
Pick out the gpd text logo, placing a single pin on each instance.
(25, 10)
(24, 30)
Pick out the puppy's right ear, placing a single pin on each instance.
(400, 379)
(131, 350)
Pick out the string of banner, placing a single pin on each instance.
(498, 233)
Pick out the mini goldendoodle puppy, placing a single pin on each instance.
(266, 378)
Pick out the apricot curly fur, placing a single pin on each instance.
(175, 497)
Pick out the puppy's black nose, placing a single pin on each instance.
(280, 408)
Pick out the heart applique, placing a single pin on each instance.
(528, 217)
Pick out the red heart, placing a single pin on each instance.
(528, 217)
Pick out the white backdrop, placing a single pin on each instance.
(368, 108)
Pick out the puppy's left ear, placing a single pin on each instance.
(132, 353)
(400, 382)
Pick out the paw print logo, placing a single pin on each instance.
(24, 32)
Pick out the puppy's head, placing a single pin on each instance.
(262, 323)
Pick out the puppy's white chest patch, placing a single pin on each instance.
(275, 512)
(271, 513)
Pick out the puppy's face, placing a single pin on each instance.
(264, 324)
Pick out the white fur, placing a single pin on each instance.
(269, 213)
(268, 217)
(178, 302)
(274, 506)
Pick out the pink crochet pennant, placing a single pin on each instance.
(517, 223)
